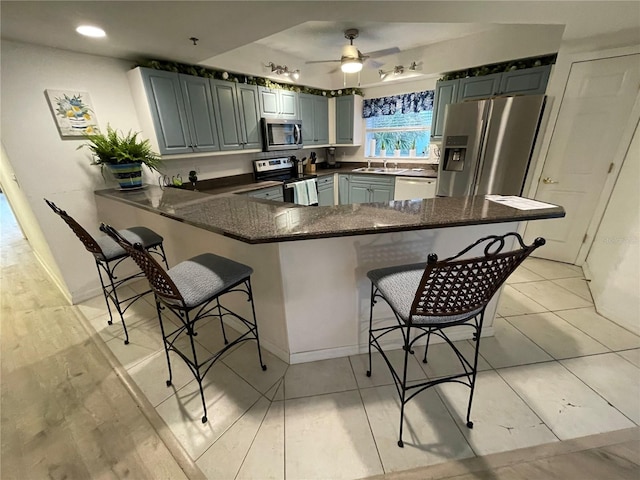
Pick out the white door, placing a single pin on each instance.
(595, 111)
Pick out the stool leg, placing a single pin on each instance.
(426, 347)
(163, 255)
(255, 323)
(196, 365)
(403, 386)
(475, 369)
(115, 300)
(224, 334)
(164, 340)
(373, 302)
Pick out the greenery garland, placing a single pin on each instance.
(509, 66)
(200, 71)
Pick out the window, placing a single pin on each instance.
(401, 124)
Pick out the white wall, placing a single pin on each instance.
(614, 259)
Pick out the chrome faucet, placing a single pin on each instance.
(368, 162)
(384, 164)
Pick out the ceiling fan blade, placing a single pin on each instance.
(374, 63)
(322, 61)
(382, 53)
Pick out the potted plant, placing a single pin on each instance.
(123, 155)
(396, 151)
(383, 149)
(412, 150)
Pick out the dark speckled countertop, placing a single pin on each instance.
(262, 221)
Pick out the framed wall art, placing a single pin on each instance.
(73, 112)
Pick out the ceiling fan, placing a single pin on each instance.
(352, 59)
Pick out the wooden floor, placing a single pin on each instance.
(65, 412)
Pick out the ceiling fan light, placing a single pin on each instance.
(351, 65)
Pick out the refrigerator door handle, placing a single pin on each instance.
(473, 186)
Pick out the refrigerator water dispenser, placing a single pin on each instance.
(455, 150)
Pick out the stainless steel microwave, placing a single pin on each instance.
(281, 134)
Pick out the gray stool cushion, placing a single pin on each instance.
(143, 235)
(399, 284)
(203, 277)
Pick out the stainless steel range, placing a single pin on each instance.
(297, 188)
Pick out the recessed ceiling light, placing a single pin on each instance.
(89, 31)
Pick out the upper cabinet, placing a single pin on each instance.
(349, 120)
(277, 103)
(236, 107)
(314, 115)
(528, 81)
(181, 111)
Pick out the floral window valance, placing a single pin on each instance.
(407, 103)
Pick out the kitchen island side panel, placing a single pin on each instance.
(183, 241)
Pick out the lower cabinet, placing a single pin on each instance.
(325, 191)
(367, 189)
(269, 193)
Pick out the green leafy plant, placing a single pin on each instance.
(113, 147)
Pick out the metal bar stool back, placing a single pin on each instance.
(191, 291)
(109, 255)
(428, 298)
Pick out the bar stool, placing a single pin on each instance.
(191, 291)
(427, 299)
(109, 255)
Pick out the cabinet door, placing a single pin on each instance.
(479, 87)
(168, 110)
(249, 113)
(268, 102)
(200, 113)
(530, 81)
(271, 193)
(343, 189)
(344, 119)
(381, 193)
(321, 114)
(227, 111)
(359, 192)
(325, 191)
(288, 103)
(446, 92)
(307, 117)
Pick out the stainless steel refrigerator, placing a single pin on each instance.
(487, 145)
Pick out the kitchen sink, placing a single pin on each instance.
(379, 170)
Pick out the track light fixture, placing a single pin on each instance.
(284, 70)
(398, 70)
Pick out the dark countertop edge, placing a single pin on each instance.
(539, 214)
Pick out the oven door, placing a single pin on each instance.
(280, 134)
(302, 191)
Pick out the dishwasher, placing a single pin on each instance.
(409, 188)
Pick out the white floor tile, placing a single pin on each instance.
(244, 361)
(555, 336)
(617, 380)
(328, 437)
(316, 378)
(564, 403)
(265, 460)
(632, 356)
(227, 396)
(604, 331)
(380, 374)
(501, 420)
(224, 458)
(430, 434)
(551, 270)
(442, 360)
(552, 296)
(144, 341)
(576, 285)
(523, 274)
(510, 347)
(513, 302)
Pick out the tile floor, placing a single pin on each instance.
(554, 370)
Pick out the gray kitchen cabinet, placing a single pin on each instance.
(269, 193)
(473, 88)
(314, 115)
(345, 119)
(446, 92)
(529, 81)
(277, 103)
(236, 108)
(371, 188)
(182, 112)
(344, 184)
(325, 190)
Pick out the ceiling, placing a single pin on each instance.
(243, 36)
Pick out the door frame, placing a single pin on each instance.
(558, 85)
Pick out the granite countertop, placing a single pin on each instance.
(262, 221)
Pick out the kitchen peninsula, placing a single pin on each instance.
(310, 263)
